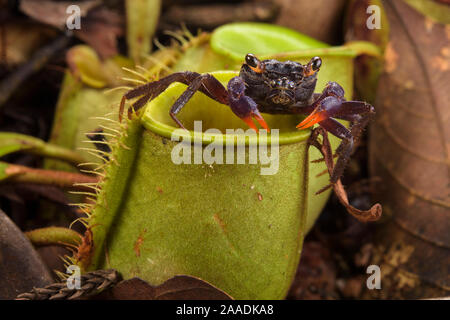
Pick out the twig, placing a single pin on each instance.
(91, 283)
(11, 83)
(22, 142)
(17, 173)
(210, 16)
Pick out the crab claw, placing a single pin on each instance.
(261, 120)
(258, 117)
(315, 117)
(243, 106)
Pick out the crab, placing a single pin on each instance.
(274, 87)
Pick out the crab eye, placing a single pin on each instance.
(251, 60)
(316, 62)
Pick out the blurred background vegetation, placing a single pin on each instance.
(403, 161)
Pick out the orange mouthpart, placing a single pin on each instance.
(257, 69)
(312, 119)
(308, 71)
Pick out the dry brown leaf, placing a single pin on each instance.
(21, 268)
(320, 19)
(410, 152)
(213, 15)
(54, 12)
(100, 29)
(22, 39)
(99, 26)
(316, 274)
(176, 288)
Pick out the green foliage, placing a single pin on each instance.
(226, 224)
(142, 20)
(13, 142)
(235, 39)
(438, 12)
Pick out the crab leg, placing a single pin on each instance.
(331, 104)
(211, 87)
(205, 83)
(345, 148)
